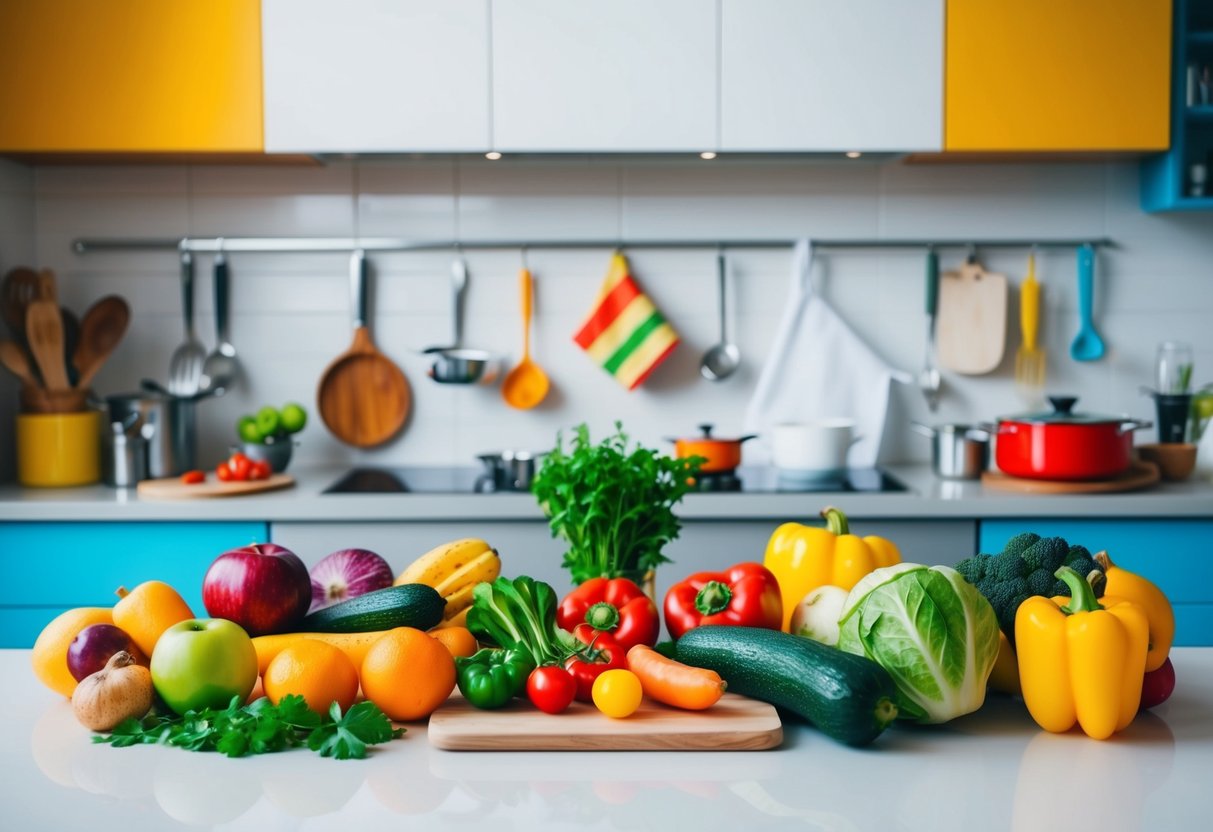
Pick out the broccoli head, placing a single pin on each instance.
(1025, 568)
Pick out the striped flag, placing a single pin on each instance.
(626, 333)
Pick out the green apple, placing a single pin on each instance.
(247, 429)
(203, 663)
(268, 421)
(294, 417)
(1202, 405)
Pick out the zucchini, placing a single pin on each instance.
(407, 605)
(847, 697)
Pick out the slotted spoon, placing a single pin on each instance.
(1030, 358)
(185, 367)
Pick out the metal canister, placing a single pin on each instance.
(169, 424)
(958, 452)
(123, 455)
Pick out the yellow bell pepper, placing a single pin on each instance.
(1004, 678)
(1141, 591)
(806, 557)
(1080, 661)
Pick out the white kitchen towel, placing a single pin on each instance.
(818, 369)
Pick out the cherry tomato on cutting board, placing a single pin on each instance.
(260, 470)
(617, 693)
(223, 472)
(240, 465)
(551, 688)
(193, 477)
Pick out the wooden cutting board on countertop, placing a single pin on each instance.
(735, 723)
(172, 488)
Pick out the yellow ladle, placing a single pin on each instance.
(527, 384)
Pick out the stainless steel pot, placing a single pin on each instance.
(168, 423)
(508, 471)
(958, 452)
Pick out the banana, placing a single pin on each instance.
(457, 602)
(460, 619)
(484, 567)
(436, 565)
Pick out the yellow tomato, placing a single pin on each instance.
(617, 693)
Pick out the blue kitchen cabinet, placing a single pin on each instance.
(57, 566)
(1175, 554)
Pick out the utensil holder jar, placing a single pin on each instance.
(56, 450)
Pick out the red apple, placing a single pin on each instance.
(263, 587)
(94, 645)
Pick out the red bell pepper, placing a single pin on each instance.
(602, 653)
(745, 595)
(616, 607)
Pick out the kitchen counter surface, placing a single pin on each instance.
(927, 498)
(991, 770)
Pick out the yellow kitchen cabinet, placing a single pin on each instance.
(131, 76)
(1057, 75)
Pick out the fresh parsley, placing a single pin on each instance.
(614, 506)
(262, 728)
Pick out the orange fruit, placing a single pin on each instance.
(321, 673)
(459, 640)
(49, 656)
(408, 674)
(148, 610)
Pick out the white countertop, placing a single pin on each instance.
(927, 498)
(988, 771)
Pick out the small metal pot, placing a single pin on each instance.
(958, 452)
(458, 366)
(168, 423)
(508, 471)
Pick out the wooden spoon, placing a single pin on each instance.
(17, 362)
(44, 329)
(527, 384)
(363, 397)
(103, 326)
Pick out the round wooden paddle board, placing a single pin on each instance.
(1140, 475)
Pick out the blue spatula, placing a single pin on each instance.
(1087, 345)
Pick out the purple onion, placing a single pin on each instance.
(348, 573)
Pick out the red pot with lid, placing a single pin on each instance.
(1064, 445)
(720, 455)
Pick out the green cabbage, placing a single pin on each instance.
(931, 629)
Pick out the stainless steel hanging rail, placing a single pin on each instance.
(268, 245)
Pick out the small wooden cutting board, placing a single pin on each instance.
(971, 326)
(172, 488)
(735, 723)
(1140, 475)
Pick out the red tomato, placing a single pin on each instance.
(260, 470)
(240, 465)
(550, 688)
(193, 477)
(223, 472)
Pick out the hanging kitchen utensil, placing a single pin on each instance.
(363, 397)
(722, 360)
(103, 326)
(625, 333)
(44, 329)
(1087, 345)
(221, 367)
(21, 287)
(971, 324)
(453, 364)
(1030, 358)
(185, 366)
(527, 384)
(929, 380)
(819, 369)
(13, 357)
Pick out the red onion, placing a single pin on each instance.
(348, 573)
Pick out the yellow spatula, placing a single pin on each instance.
(1030, 358)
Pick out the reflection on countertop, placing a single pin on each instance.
(991, 770)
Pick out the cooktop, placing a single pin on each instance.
(748, 480)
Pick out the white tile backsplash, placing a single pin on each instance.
(292, 312)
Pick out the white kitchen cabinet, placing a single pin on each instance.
(827, 75)
(625, 75)
(376, 75)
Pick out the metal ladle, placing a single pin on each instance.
(722, 360)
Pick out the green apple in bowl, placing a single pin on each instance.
(203, 663)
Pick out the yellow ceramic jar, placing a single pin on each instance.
(58, 449)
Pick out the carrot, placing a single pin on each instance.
(674, 683)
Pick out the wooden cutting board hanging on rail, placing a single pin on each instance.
(971, 323)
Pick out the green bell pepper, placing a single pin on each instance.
(491, 678)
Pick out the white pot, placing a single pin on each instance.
(813, 449)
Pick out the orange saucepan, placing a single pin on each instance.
(719, 454)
